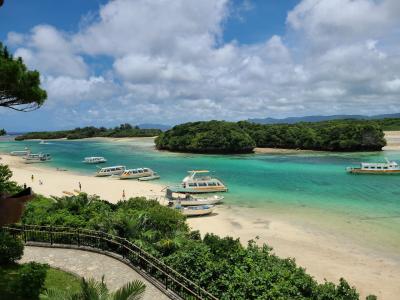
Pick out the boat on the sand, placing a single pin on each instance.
(190, 200)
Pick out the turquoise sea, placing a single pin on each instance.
(310, 188)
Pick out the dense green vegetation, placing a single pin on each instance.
(206, 137)
(2, 132)
(221, 265)
(389, 124)
(242, 137)
(18, 282)
(124, 130)
(11, 249)
(22, 281)
(339, 135)
(19, 87)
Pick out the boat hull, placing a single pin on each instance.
(199, 190)
(374, 172)
(199, 201)
(196, 212)
(148, 178)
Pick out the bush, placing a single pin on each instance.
(31, 280)
(22, 282)
(11, 249)
(7, 186)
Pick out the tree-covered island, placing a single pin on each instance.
(243, 137)
(124, 130)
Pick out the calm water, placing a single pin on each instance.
(310, 188)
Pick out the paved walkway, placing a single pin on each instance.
(91, 265)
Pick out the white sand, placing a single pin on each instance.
(56, 182)
(323, 255)
(393, 140)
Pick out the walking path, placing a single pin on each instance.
(91, 265)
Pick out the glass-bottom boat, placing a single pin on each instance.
(389, 167)
(195, 183)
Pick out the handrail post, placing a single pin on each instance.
(24, 231)
(51, 235)
(78, 237)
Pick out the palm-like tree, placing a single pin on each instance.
(97, 290)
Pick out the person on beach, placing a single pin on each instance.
(123, 194)
(32, 177)
(80, 186)
(40, 182)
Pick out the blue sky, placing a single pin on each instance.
(107, 62)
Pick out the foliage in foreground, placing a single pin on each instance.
(21, 282)
(221, 265)
(2, 132)
(19, 87)
(242, 137)
(124, 130)
(97, 290)
(11, 249)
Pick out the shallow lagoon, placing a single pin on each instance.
(309, 188)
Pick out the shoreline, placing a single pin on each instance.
(392, 137)
(324, 254)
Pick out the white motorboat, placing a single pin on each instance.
(201, 210)
(43, 142)
(190, 200)
(94, 160)
(199, 184)
(191, 211)
(389, 167)
(108, 171)
(151, 177)
(20, 153)
(136, 173)
(37, 158)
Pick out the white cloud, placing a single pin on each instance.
(169, 64)
(71, 91)
(51, 51)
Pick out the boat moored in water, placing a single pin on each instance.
(94, 160)
(108, 171)
(195, 183)
(136, 173)
(389, 167)
(190, 200)
(37, 158)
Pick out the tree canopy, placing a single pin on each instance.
(242, 137)
(206, 137)
(2, 132)
(124, 130)
(19, 87)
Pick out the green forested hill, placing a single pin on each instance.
(242, 137)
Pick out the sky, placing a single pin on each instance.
(106, 62)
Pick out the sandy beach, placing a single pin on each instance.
(324, 255)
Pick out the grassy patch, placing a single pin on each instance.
(60, 280)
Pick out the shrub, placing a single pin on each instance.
(22, 282)
(31, 280)
(11, 249)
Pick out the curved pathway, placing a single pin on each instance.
(91, 265)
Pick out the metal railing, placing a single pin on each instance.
(164, 276)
